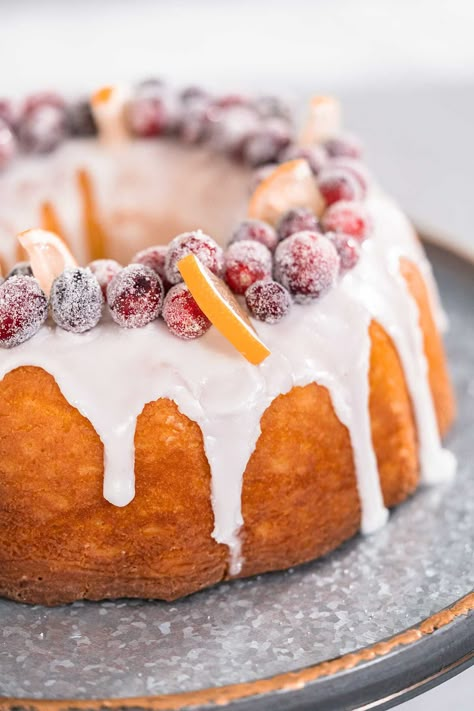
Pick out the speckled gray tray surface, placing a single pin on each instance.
(369, 589)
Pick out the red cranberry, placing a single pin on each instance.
(196, 120)
(306, 264)
(315, 155)
(76, 300)
(104, 271)
(135, 296)
(338, 184)
(7, 144)
(43, 125)
(246, 262)
(198, 243)
(193, 93)
(154, 257)
(80, 119)
(351, 218)
(266, 143)
(347, 247)
(343, 145)
(272, 107)
(182, 315)
(20, 269)
(152, 111)
(268, 300)
(231, 126)
(9, 112)
(23, 310)
(255, 230)
(299, 219)
(356, 167)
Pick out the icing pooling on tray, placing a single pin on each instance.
(109, 375)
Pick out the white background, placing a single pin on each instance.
(404, 68)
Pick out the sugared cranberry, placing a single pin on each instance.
(135, 296)
(268, 300)
(246, 262)
(80, 119)
(266, 143)
(347, 247)
(338, 184)
(351, 218)
(20, 269)
(256, 230)
(227, 101)
(230, 127)
(182, 315)
(23, 310)
(76, 300)
(272, 107)
(152, 110)
(104, 271)
(197, 243)
(8, 145)
(356, 167)
(343, 145)
(195, 123)
(9, 112)
(299, 219)
(154, 257)
(315, 155)
(307, 264)
(43, 124)
(193, 93)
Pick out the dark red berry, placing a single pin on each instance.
(152, 110)
(347, 247)
(43, 124)
(246, 262)
(267, 142)
(343, 145)
(193, 93)
(231, 126)
(338, 184)
(135, 296)
(307, 264)
(197, 243)
(195, 123)
(351, 218)
(182, 315)
(80, 119)
(256, 230)
(23, 310)
(104, 271)
(272, 107)
(20, 269)
(8, 144)
(9, 112)
(268, 300)
(299, 219)
(76, 300)
(315, 155)
(154, 257)
(356, 167)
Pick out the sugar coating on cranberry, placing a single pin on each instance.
(43, 124)
(256, 230)
(316, 156)
(182, 315)
(153, 257)
(299, 219)
(347, 247)
(266, 143)
(307, 264)
(135, 296)
(104, 271)
(23, 310)
(338, 184)
(80, 119)
(8, 146)
(352, 218)
(344, 145)
(354, 166)
(20, 269)
(152, 110)
(246, 262)
(76, 300)
(201, 245)
(268, 300)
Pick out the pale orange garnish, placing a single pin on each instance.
(222, 309)
(108, 107)
(48, 255)
(290, 185)
(323, 122)
(95, 235)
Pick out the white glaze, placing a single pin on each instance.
(109, 374)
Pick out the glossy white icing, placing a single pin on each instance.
(109, 375)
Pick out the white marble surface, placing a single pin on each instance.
(405, 70)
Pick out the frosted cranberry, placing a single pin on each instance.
(256, 230)
(316, 156)
(76, 300)
(80, 119)
(231, 126)
(268, 300)
(182, 315)
(356, 167)
(307, 264)
(43, 124)
(298, 219)
(351, 218)
(347, 247)
(104, 271)
(135, 296)
(23, 310)
(193, 93)
(9, 112)
(230, 100)
(338, 184)
(272, 107)
(197, 243)
(246, 262)
(267, 142)
(8, 145)
(152, 110)
(343, 145)
(196, 119)
(20, 269)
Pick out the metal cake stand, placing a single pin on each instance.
(378, 620)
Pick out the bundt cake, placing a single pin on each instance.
(177, 413)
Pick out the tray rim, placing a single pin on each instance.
(371, 659)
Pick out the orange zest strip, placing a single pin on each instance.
(50, 220)
(222, 309)
(48, 255)
(95, 236)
